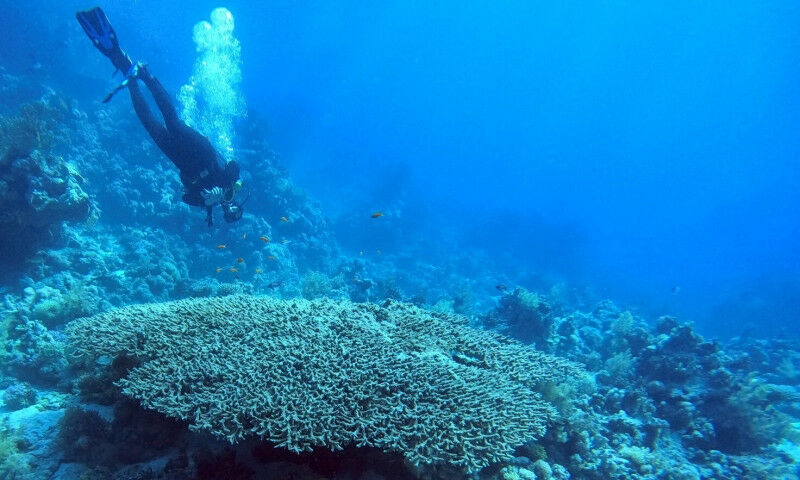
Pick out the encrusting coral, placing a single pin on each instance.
(331, 373)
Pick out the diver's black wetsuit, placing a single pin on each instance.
(201, 168)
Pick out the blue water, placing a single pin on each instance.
(630, 150)
(637, 148)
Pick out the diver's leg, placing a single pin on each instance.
(185, 146)
(156, 130)
(162, 99)
(175, 126)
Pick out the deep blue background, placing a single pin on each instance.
(631, 147)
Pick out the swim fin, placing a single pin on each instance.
(102, 34)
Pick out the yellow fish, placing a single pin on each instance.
(264, 238)
(234, 270)
(219, 269)
(284, 219)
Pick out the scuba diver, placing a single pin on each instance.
(207, 179)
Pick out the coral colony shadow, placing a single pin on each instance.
(323, 341)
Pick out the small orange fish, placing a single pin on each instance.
(284, 219)
(257, 270)
(377, 215)
(221, 246)
(234, 270)
(240, 260)
(271, 257)
(244, 235)
(264, 238)
(219, 269)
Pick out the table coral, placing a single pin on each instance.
(304, 374)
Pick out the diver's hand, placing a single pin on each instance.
(212, 196)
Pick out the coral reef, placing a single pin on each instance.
(522, 314)
(667, 404)
(38, 189)
(31, 129)
(18, 396)
(34, 353)
(317, 284)
(331, 373)
(14, 463)
(714, 405)
(25, 439)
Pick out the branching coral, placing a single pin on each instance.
(331, 373)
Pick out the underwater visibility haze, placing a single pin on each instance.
(439, 240)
